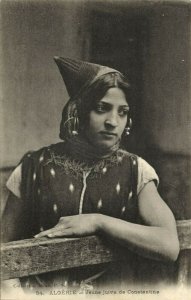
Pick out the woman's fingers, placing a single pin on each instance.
(43, 233)
(78, 225)
(62, 224)
(59, 233)
(53, 232)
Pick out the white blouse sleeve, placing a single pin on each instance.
(146, 173)
(14, 182)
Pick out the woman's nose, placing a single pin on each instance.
(111, 119)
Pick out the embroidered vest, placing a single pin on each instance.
(53, 185)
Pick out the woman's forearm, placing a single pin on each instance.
(149, 241)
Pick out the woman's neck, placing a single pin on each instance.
(80, 149)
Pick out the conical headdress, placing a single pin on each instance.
(78, 74)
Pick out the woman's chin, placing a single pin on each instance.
(101, 144)
(104, 146)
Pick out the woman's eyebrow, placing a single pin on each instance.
(124, 106)
(107, 103)
(104, 103)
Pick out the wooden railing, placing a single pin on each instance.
(36, 256)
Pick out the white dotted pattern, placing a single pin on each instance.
(123, 209)
(118, 188)
(104, 170)
(119, 159)
(41, 158)
(130, 195)
(52, 172)
(71, 188)
(99, 205)
(65, 283)
(55, 208)
(34, 176)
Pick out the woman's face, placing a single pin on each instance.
(108, 119)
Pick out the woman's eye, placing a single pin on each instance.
(123, 112)
(100, 108)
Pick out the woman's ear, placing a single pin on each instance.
(126, 132)
(128, 127)
(69, 125)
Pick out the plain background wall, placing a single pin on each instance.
(167, 81)
(33, 91)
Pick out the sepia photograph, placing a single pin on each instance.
(95, 149)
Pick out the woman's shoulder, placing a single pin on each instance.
(145, 172)
(43, 152)
(141, 162)
(125, 155)
(31, 159)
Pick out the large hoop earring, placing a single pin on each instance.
(73, 125)
(128, 128)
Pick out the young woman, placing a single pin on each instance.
(88, 184)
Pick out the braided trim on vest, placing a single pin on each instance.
(76, 168)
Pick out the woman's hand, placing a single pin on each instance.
(156, 239)
(73, 226)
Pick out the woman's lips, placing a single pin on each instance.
(108, 134)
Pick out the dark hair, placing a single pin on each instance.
(82, 106)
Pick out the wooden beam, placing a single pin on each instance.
(184, 268)
(184, 260)
(36, 256)
(184, 233)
